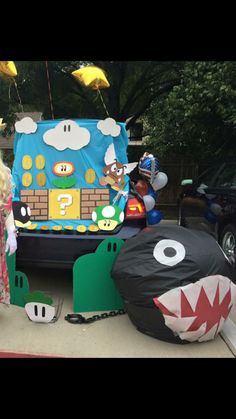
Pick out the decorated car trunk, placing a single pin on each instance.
(177, 284)
(68, 173)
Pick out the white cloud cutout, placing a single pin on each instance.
(67, 134)
(109, 127)
(26, 126)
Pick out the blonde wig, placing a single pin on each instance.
(5, 182)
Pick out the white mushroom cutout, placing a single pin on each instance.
(108, 217)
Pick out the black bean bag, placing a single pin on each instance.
(151, 271)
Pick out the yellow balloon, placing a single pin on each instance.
(2, 125)
(8, 68)
(91, 76)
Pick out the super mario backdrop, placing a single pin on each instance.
(58, 168)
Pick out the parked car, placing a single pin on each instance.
(63, 172)
(60, 250)
(209, 203)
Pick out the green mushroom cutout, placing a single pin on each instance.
(108, 217)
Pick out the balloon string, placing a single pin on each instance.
(22, 109)
(103, 103)
(49, 91)
(9, 92)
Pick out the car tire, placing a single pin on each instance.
(227, 242)
(181, 221)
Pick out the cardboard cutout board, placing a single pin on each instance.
(93, 286)
(40, 307)
(18, 281)
(57, 168)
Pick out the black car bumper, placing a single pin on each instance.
(57, 250)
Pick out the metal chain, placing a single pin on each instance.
(79, 319)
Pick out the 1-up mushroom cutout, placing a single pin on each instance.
(108, 217)
(39, 308)
(115, 171)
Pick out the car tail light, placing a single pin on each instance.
(135, 209)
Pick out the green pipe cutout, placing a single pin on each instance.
(93, 286)
(18, 281)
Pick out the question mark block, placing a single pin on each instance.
(64, 204)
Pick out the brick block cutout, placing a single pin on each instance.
(91, 199)
(37, 199)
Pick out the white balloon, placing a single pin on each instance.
(160, 181)
(149, 202)
(216, 208)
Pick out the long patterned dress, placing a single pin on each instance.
(4, 280)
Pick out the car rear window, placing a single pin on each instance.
(227, 177)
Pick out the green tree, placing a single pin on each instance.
(198, 117)
(134, 86)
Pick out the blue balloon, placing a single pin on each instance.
(154, 216)
(152, 193)
(212, 218)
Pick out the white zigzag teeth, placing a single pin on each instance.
(210, 284)
(224, 287)
(221, 324)
(171, 300)
(195, 335)
(179, 325)
(192, 292)
(209, 335)
(233, 293)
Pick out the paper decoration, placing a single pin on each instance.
(69, 228)
(93, 287)
(109, 127)
(63, 168)
(175, 256)
(27, 179)
(67, 134)
(64, 204)
(18, 282)
(64, 183)
(73, 170)
(57, 229)
(40, 161)
(27, 162)
(26, 126)
(90, 176)
(114, 171)
(40, 307)
(198, 311)
(93, 228)
(108, 217)
(19, 287)
(22, 214)
(38, 296)
(81, 228)
(44, 228)
(32, 226)
(41, 179)
(40, 313)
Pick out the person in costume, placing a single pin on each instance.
(6, 223)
